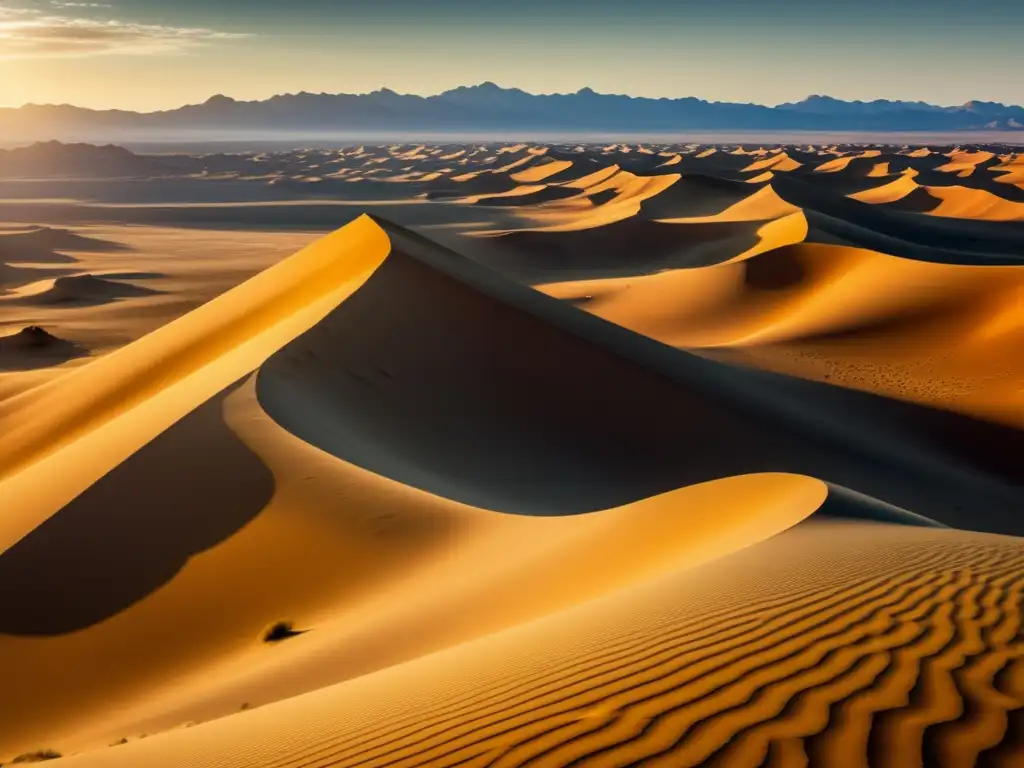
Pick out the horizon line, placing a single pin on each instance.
(486, 83)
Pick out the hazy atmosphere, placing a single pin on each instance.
(154, 54)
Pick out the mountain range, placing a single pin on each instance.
(488, 108)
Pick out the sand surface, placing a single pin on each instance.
(640, 454)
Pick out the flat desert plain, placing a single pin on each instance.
(508, 454)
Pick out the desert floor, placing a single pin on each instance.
(496, 455)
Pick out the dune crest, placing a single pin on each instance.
(199, 355)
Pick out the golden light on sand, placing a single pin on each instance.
(644, 453)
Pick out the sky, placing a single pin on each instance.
(146, 55)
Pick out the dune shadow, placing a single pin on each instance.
(629, 248)
(87, 290)
(14, 277)
(132, 275)
(134, 529)
(33, 347)
(443, 375)
(46, 244)
(906, 233)
(850, 505)
(783, 270)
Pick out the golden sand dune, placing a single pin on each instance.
(780, 162)
(905, 328)
(888, 193)
(542, 171)
(612, 199)
(834, 166)
(842, 644)
(83, 289)
(964, 203)
(948, 201)
(965, 161)
(762, 205)
(738, 485)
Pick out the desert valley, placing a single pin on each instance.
(500, 454)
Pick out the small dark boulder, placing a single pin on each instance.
(282, 630)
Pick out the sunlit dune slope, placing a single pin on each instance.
(542, 171)
(605, 199)
(762, 205)
(941, 334)
(132, 395)
(909, 633)
(950, 201)
(780, 162)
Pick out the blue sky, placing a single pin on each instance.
(153, 54)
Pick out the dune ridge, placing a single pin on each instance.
(59, 425)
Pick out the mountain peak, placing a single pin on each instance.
(486, 88)
(219, 99)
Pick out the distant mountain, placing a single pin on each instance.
(826, 105)
(52, 159)
(488, 108)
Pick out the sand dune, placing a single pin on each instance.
(87, 289)
(40, 245)
(737, 482)
(542, 171)
(35, 347)
(103, 409)
(763, 205)
(780, 162)
(812, 306)
(962, 203)
(904, 630)
(947, 201)
(28, 612)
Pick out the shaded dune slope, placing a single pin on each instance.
(382, 394)
(87, 290)
(979, 242)
(42, 244)
(696, 195)
(35, 347)
(629, 247)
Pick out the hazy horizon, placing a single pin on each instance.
(473, 85)
(148, 55)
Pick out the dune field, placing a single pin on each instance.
(507, 454)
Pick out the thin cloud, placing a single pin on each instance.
(33, 33)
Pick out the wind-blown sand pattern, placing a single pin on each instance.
(660, 455)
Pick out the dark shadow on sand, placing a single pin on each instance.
(443, 375)
(134, 529)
